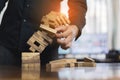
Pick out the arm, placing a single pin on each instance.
(77, 13)
(2, 4)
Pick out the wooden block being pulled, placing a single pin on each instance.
(87, 59)
(63, 61)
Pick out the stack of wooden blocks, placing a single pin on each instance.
(30, 66)
(30, 75)
(44, 36)
(62, 63)
(30, 61)
(41, 39)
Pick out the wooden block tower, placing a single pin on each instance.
(30, 60)
(30, 66)
(41, 39)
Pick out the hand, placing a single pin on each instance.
(66, 34)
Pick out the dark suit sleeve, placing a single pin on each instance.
(77, 13)
(2, 4)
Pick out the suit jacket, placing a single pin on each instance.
(22, 18)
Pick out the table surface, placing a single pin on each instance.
(102, 71)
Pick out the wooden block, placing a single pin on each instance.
(38, 41)
(30, 54)
(32, 49)
(25, 66)
(45, 20)
(39, 38)
(55, 19)
(37, 65)
(31, 71)
(45, 36)
(49, 21)
(51, 18)
(42, 44)
(52, 69)
(32, 60)
(37, 60)
(79, 64)
(85, 64)
(49, 66)
(56, 66)
(89, 64)
(48, 29)
(70, 64)
(30, 74)
(31, 65)
(87, 59)
(51, 35)
(74, 64)
(37, 48)
(64, 61)
(29, 57)
(31, 42)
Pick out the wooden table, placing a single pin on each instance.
(103, 71)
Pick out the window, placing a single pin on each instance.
(98, 21)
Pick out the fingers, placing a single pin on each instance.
(65, 42)
(66, 46)
(63, 31)
(61, 28)
(66, 35)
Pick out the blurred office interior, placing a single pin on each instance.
(101, 32)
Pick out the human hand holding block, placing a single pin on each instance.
(43, 37)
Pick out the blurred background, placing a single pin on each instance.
(100, 36)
